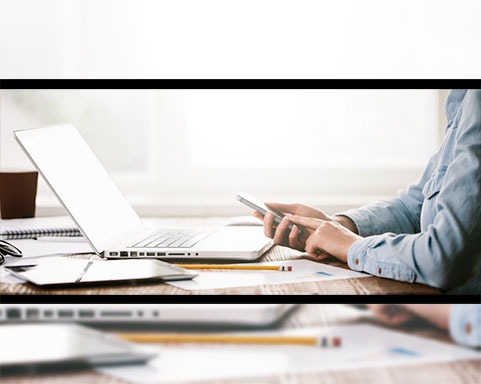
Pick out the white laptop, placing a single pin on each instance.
(254, 315)
(36, 348)
(107, 220)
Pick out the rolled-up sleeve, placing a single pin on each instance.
(446, 251)
(398, 215)
(465, 324)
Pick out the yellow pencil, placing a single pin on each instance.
(284, 268)
(324, 341)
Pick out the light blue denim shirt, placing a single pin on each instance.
(431, 232)
(465, 324)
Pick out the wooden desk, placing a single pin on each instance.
(462, 371)
(364, 286)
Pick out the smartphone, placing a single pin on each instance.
(260, 207)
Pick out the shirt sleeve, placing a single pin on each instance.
(465, 324)
(446, 252)
(398, 215)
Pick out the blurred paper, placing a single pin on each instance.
(362, 346)
(302, 271)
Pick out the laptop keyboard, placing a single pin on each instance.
(173, 238)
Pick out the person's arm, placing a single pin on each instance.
(400, 214)
(397, 215)
(437, 314)
(463, 321)
(397, 314)
(445, 254)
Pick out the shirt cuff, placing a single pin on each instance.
(366, 257)
(356, 255)
(465, 324)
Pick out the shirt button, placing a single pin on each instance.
(356, 261)
(468, 328)
(379, 270)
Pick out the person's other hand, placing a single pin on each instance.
(326, 238)
(297, 237)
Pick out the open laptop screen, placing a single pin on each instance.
(81, 183)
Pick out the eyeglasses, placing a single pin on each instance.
(7, 249)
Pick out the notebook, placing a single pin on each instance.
(109, 222)
(37, 227)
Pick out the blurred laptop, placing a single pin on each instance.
(106, 219)
(203, 315)
(36, 348)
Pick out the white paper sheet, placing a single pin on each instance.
(362, 346)
(303, 271)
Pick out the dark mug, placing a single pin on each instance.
(18, 191)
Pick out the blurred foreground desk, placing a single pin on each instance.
(363, 286)
(462, 371)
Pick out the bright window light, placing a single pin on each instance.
(200, 145)
(309, 128)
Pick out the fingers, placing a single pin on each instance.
(277, 232)
(280, 235)
(269, 225)
(313, 247)
(294, 238)
(299, 210)
(267, 221)
(257, 215)
(306, 222)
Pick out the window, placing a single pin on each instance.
(202, 146)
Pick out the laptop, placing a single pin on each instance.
(175, 315)
(106, 219)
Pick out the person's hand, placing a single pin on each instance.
(391, 314)
(327, 238)
(297, 237)
(437, 314)
(341, 226)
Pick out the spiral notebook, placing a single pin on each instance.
(37, 227)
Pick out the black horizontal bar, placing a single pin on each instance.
(239, 83)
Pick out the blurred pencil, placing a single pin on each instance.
(285, 268)
(324, 341)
